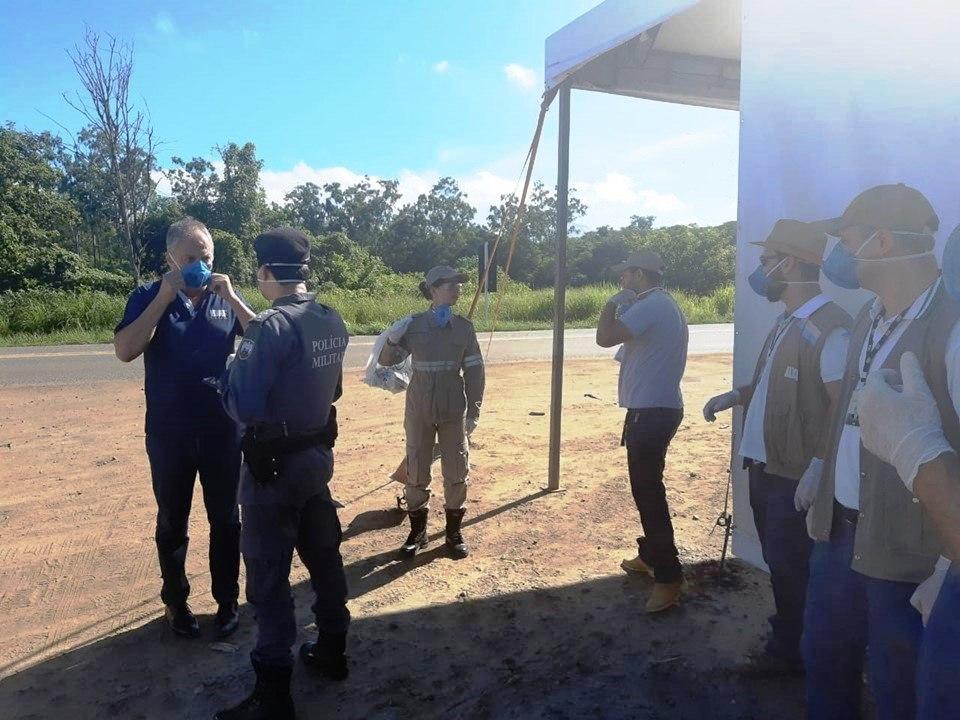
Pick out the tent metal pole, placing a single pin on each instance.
(559, 289)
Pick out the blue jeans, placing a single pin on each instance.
(938, 672)
(786, 549)
(847, 612)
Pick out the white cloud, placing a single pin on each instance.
(520, 76)
(162, 181)
(441, 67)
(611, 200)
(163, 24)
(277, 183)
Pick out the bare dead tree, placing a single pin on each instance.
(123, 131)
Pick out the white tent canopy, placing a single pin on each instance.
(681, 51)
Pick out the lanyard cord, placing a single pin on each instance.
(873, 348)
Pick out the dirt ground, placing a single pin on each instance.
(539, 622)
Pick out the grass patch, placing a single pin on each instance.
(66, 318)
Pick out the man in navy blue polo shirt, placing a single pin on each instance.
(185, 326)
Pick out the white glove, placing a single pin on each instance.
(925, 596)
(720, 403)
(901, 428)
(624, 298)
(396, 331)
(230, 358)
(808, 485)
(470, 424)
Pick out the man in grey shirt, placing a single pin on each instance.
(653, 332)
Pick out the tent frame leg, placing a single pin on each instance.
(559, 288)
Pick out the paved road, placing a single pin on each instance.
(75, 364)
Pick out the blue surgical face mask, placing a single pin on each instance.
(760, 281)
(196, 275)
(840, 266)
(442, 315)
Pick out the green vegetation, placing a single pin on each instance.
(56, 317)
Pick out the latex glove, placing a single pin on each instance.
(623, 298)
(901, 428)
(396, 331)
(808, 485)
(470, 424)
(925, 596)
(720, 403)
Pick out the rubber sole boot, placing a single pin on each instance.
(664, 596)
(417, 539)
(454, 537)
(636, 566)
(182, 621)
(270, 699)
(227, 620)
(327, 656)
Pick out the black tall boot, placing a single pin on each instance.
(418, 533)
(270, 699)
(458, 548)
(327, 655)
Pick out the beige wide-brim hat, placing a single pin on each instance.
(801, 240)
(644, 259)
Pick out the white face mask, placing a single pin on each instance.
(294, 281)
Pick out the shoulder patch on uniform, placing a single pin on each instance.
(265, 315)
(246, 347)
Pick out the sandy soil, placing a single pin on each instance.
(539, 622)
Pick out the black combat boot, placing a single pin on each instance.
(458, 548)
(270, 699)
(327, 655)
(182, 620)
(418, 533)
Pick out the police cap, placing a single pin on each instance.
(282, 246)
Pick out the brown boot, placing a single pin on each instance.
(664, 596)
(636, 566)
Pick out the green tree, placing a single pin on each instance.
(437, 229)
(241, 200)
(337, 261)
(535, 254)
(232, 257)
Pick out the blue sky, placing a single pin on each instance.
(412, 90)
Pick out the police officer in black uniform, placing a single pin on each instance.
(281, 388)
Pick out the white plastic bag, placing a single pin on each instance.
(393, 378)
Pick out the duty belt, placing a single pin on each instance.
(265, 446)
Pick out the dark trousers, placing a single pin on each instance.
(847, 612)
(786, 549)
(176, 458)
(646, 435)
(938, 671)
(272, 530)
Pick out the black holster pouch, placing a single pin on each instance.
(265, 446)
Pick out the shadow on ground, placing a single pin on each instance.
(576, 651)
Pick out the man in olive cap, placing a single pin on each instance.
(786, 407)
(281, 388)
(874, 540)
(646, 320)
